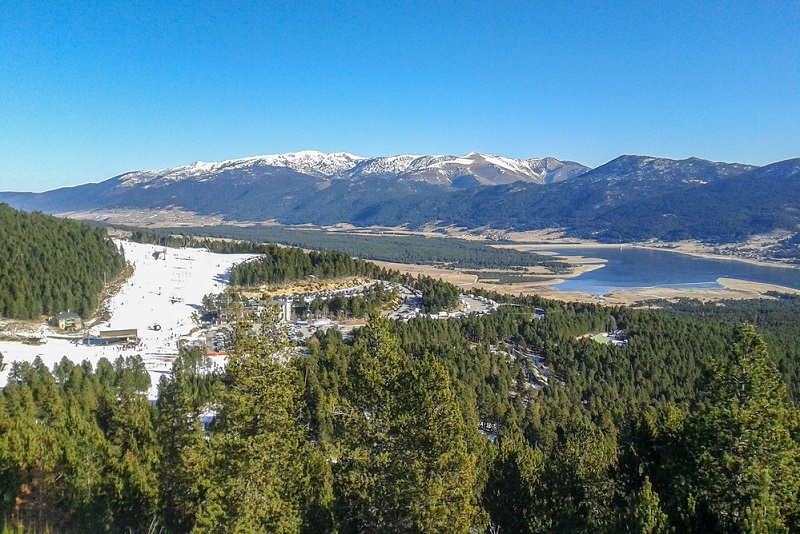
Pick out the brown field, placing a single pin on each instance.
(302, 286)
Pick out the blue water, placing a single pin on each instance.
(629, 268)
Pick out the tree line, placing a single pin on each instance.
(373, 299)
(278, 265)
(415, 249)
(49, 265)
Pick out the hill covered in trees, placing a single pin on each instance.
(426, 426)
(49, 265)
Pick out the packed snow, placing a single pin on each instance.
(166, 292)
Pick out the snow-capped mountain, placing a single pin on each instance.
(472, 169)
(449, 171)
(310, 162)
(630, 197)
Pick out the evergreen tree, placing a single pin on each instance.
(257, 472)
(579, 480)
(404, 465)
(514, 484)
(748, 462)
(184, 472)
(644, 514)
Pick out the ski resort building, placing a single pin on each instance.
(68, 321)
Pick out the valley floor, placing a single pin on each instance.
(538, 240)
(162, 298)
(751, 251)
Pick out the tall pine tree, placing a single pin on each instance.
(748, 462)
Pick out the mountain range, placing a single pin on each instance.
(628, 198)
(450, 171)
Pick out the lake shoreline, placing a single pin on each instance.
(731, 287)
(540, 240)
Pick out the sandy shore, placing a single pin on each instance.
(540, 240)
(731, 288)
(756, 287)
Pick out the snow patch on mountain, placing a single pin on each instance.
(313, 162)
(434, 169)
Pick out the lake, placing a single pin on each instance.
(631, 267)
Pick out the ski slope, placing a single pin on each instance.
(167, 291)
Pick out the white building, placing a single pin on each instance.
(285, 307)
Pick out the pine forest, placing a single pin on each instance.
(426, 426)
(49, 265)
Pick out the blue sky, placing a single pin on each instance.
(89, 90)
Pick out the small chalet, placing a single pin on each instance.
(68, 321)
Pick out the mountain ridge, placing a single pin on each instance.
(630, 197)
(435, 169)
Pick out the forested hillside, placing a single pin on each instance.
(426, 426)
(282, 264)
(49, 265)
